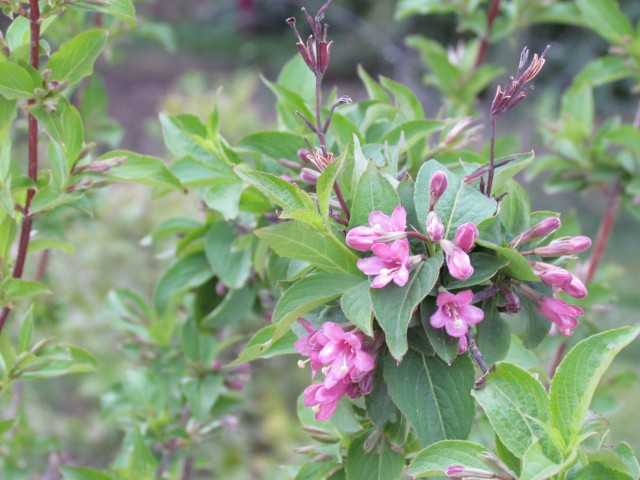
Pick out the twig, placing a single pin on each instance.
(492, 156)
(484, 44)
(27, 222)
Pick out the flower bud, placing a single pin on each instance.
(309, 176)
(460, 471)
(435, 228)
(458, 262)
(575, 288)
(362, 238)
(511, 301)
(437, 187)
(552, 275)
(466, 236)
(563, 246)
(542, 229)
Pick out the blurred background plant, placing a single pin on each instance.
(196, 57)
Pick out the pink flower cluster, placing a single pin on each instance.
(345, 358)
(555, 309)
(386, 237)
(455, 313)
(456, 252)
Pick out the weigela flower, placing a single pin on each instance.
(561, 313)
(437, 186)
(346, 359)
(458, 261)
(455, 313)
(466, 236)
(382, 229)
(562, 246)
(390, 262)
(545, 227)
(435, 228)
(560, 278)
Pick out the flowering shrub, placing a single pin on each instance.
(408, 268)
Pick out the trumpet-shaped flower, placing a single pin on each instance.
(390, 262)
(561, 313)
(458, 261)
(382, 229)
(455, 313)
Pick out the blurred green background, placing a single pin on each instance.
(186, 55)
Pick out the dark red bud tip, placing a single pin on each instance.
(291, 21)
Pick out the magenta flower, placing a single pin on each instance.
(541, 229)
(323, 400)
(435, 228)
(466, 236)
(559, 278)
(382, 229)
(311, 345)
(458, 262)
(437, 186)
(455, 313)
(562, 246)
(576, 288)
(561, 313)
(390, 262)
(345, 353)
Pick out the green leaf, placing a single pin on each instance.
(302, 241)
(578, 375)
(536, 325)
(308, 293)
(121, 9)
(188, 272)
(39, 244)
(26, 331)
(262, 345)
(297, 77)
(201, 394)
(394, 305)
(326, 182)
(15, 82)
(515, 404)
(517, 267)
(597, 471)
(459, 204)
(64, 127)
(282, 193)
(406, 101)
(379, 462)
(75, 58)
(494, 334)
(223, 195)
(434, 460)
(373, 192)
(601, 71)
(235, 306)
(606, 18)
(434, 396)
(232, 267)
(274, 144)
(16, 289)
(182, 134)
(58, 360)
(142, 169)
(81, 473)
(536, 465)
(357, 307)
(504, 175)
(626, 454)
(515, 208)
(374, 90)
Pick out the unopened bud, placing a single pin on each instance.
(466, 236)
(309, 176)
(576, 288)
(303, 155)
(542, 229)
(435, 227)
(437, 187)
(511, 301)
(324, 55)
(562, 246)
(460, 471)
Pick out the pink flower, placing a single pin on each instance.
(437, 186)
(391, 262)
(562, 246)
(511, 301)
(345, 353)
(458, 262)
(455, 313)
(382, 229)
(466, 236)
(559, 278)
(560, 313)
(311, 345)
(541, 229)
(323, 400)
(435, 228)
(463, 344)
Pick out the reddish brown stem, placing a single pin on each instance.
(494, 8)
(27, 222)
(604, 233)
(557, 358)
